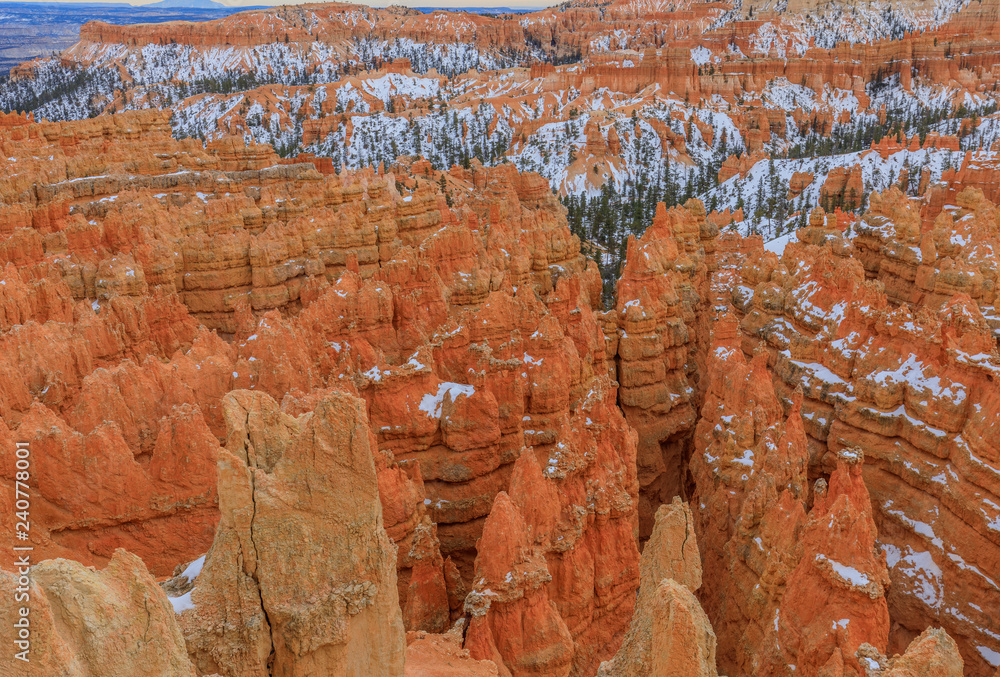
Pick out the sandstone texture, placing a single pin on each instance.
(442, 655)
(114, 622)
(669, 633)
(300, 579)
(356, 341)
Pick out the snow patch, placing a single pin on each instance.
(432, 403)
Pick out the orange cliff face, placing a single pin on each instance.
(177, 317)
(905, 382)
(343, 81)
(834, 599)
(661, 297)
(329, 22)
(751, 497)
(469, 333)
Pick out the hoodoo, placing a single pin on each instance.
(634, 338)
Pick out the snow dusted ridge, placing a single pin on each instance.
(373, 118)
(846, 573)
(370, 119)
(791, 34)
(878, 175)
(164, 75)
(464, 94)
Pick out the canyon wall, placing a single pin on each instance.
(468, 333)
(864, 352)
(189, 331)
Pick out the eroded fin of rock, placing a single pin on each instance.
(301, 577)
(115, 622)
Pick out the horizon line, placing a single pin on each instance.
(446, 5)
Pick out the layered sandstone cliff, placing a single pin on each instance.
(469, 333)
(653, 335)
(905, 377)
(206, 345)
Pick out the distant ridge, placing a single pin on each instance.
(480, 10)
(187, 4)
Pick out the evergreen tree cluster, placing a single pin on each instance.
(604, 222)
(903, 120)
(60, 92)
(444, 137)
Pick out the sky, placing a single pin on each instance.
(447, 4)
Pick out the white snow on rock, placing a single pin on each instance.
(778, 244)
(921, 573)
(847, 573)
(432, 403)
(194, 568)
(182, 603)
(989, 655)
(701, 55)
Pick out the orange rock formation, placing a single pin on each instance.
(205, 344)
